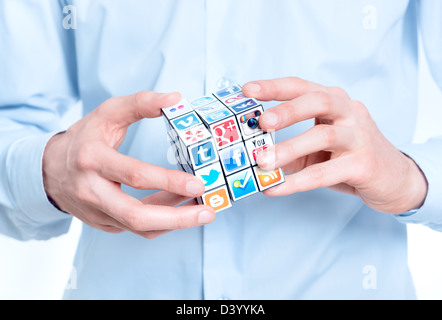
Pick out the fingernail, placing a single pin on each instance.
(174, 96)
(205, 217)
(253, 87)
(270, 119)
(195, 188)
(266, 159)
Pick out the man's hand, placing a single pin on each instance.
(344, 151)
(83, 173)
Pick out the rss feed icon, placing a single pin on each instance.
(217, 138)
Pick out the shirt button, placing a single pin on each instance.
(224, 83)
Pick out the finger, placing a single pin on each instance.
(319, 138)
(140, 217)
(144, 176)
(320, 175)
(166, 199)
(155, 234)
(98, 219)
(315, 104)
(282, 89)
(303, 162)
(151, 235)
(125, 110)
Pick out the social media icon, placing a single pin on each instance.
(228, 91)
(218, 115)
(202, 102)
(242, 184)
(194, 135)
(218, 199)
(255, 152)
(226, 133)
(211, 108)
(249, 122)
(268, 179)
(234, 158)
(235, 99)
(178, 110)
(203, 154)
(258, 144)
(186, 122)
(212, 176)
(246, 105)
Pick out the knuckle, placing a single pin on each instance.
(360, 109)
(180, 222)
(362, 169)
(316, 172)
(325, 101)
(141, 100)
(103, 109)
(338, 91)
(136, 179)
(82, 194)
(132, 220)
(138, 104)
(328, 134)
(85, 159)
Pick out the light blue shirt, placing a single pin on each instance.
(318, 244)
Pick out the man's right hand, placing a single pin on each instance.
(83, 173)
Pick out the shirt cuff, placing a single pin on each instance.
(428, 157)
(38, 217)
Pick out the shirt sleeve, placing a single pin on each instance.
(428, 156)
(38, 86)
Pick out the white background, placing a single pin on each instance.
(41, 270)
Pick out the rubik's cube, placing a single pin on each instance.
(217, 138)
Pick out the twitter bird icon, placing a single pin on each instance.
(211, 178)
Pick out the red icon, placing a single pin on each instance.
(226, 133)
(257, 151)
(234, 99)
(194, 135)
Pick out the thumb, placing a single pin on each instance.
(125, 110)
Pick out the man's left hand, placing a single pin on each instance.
(344, 151)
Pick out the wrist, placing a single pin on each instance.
(49, 175)
(417, 186)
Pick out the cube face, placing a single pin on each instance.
(268, 179)
(212, 176)
(186, 122)
(178, 110)
(242, 184)
(217, 138)
(249, 122)
(203, 101)
(226, 132)
(218, 199)
(194, 135)
(210, 108)
(258, 144)
(243, 106)
(217, 116)
(235, 99)
(234, 159)
(226, 92)
(202, 154)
